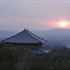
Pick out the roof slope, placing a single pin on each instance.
(25, 37)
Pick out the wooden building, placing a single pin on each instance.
(31, 43)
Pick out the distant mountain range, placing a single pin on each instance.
(55, 35)
(48, 34)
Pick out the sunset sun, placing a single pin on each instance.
(63, 24)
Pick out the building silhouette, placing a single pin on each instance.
(33, 46)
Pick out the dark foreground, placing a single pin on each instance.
(52, 61)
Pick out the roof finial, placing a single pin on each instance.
(25, 29)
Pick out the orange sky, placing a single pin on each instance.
(59, 24)
(15, 15)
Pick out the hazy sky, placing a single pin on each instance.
(32, 14)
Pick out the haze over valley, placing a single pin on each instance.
(52, 35)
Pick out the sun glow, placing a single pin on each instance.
(63, 24)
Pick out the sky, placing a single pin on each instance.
(15, 15)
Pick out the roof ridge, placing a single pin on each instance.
(14, 35)
(32, 36)
(38, 36)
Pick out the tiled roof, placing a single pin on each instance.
(25, 37)
(40, 51)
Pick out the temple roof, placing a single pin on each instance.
(25, 37)
(40, 51)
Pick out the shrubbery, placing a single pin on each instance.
(7, 60)
(9, 57)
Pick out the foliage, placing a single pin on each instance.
(41, 66)
(51, 61)
(7, 60)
